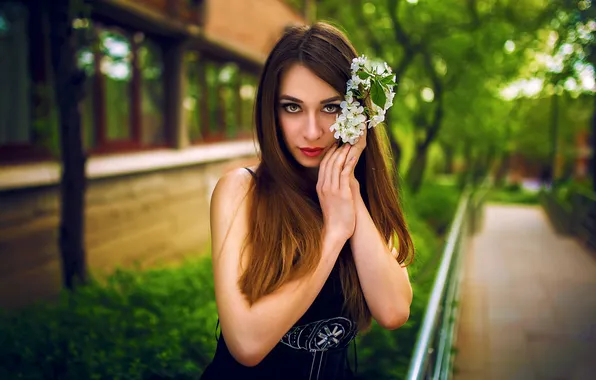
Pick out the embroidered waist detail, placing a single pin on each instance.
(321, 335)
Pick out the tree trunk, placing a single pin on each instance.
(310, 11)
(393, 143)
(464, 175)
(554, 136)
(395, 151)
(416, 170)
(68, 87)
(485, 165)
(502, 169)
(449, 158)
(593, 147)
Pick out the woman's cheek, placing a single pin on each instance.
(329, 121)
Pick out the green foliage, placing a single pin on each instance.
(564, 190)
(436, 203)
(377, 94)
(384, 354)
(157, 324)
(513, 195)
(533, 134)
(451, 62)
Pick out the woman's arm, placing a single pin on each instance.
(251, 331)
(385, 283)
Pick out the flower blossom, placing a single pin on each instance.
(368, 78)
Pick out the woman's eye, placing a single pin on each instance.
(331, 108)
(291, 107)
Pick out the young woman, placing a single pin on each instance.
(303, 244)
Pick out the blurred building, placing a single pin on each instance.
(170, 88)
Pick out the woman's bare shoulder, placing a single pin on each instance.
(230, 194)
(229, 209)
(233, 183)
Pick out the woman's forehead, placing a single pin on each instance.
(301, 83)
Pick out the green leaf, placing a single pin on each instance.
(377, 94)
(388, 80)
(363, 74)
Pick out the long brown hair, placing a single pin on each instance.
(284, 238)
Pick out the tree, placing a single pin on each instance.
(68, 88)
(575, 30)
(444, 53)
(560, 64)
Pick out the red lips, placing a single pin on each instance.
(311, 152)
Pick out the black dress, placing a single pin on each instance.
(316, 347)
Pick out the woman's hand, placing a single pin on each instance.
(355, 152)
(335, 194)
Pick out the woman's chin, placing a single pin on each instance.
(309, 164)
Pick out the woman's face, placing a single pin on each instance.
(307, 107)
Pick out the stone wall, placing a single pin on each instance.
(150, 219)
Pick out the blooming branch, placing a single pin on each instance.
(372, 79)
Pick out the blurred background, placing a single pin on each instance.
(117, 118)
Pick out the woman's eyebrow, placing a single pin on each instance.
(288, 97)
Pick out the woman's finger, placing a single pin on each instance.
(355, 152)
(323, 165)
(338, 165)
(358, 148)
(346, 175)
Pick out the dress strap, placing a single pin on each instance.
(251, 172)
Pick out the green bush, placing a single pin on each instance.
(512, 187)
(384, 354)
(435, 203)
(513, 196)
(158, 324)
(564, 190)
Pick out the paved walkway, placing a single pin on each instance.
(528, 302)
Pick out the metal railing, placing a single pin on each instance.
(433, 354)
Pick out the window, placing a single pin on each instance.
(229, 93)
(193, 99)
(248, 93)
(28, 122)
(123, 106)
(219, 99)
(215, 116)
(15, 91)
(152, 92)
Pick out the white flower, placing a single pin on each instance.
(351, 85)
(378, 68)
(354, 118)
(349, 97)
(389, 102)
(388, 69)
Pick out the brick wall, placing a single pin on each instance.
(150, 219)
(256, 25)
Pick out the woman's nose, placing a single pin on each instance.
(313, 129)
